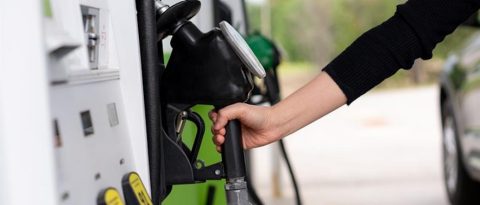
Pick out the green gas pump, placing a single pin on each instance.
(265, 50)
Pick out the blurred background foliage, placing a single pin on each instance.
(313, 32)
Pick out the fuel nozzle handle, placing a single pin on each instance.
(232, 151)
(234, 164)
(233, 160)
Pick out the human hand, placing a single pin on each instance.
(258, 127)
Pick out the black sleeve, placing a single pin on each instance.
(412, 32)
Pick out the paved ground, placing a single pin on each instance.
(383, 149)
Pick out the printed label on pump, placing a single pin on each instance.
(110, 196)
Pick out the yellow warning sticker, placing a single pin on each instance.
(139, 189)
(112, 197)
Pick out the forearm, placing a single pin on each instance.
(411, 33)
(314, 100)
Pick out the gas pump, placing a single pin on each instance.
(214, 68)
(85, 126)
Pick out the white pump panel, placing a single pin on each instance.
(72, 119)
(97, 107)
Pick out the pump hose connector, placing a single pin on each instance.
(233, 159)
(237, 191)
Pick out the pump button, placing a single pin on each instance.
(87, 123)
(109, 196)
(134, 190)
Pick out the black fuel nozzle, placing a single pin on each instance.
(214, 68)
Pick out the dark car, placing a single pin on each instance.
(460, 109)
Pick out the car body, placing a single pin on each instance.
(460, 109)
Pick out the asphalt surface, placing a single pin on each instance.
(383, 149)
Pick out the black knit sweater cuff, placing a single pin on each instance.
(374, 56)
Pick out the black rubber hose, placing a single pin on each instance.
(151, 72)
(273, 93)
(252, 192)
(298, 198)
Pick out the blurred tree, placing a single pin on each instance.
(317, 30)
(351, 18)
